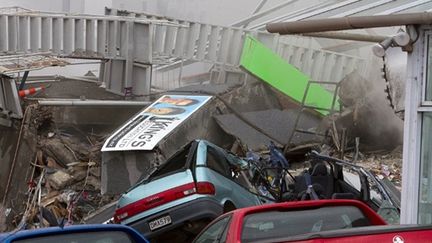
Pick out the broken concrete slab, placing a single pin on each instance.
(56, 149)
(252, 95)
(277, 123)
(59, 179)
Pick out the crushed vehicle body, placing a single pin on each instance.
(197, 184)
(330, 178)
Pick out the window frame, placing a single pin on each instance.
(415, 107)
(426, 104)
(424, 108)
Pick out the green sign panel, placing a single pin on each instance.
(268, 66)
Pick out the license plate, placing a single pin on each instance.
(160, 222)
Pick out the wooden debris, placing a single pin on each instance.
(52, 163)
(39, 157)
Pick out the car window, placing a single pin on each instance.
(217, 161)
(175, 163)
(217, 232)
(278, 224)
(352, 178)
(231, 167)
(385, 208)
(82, 237)
(375, 193)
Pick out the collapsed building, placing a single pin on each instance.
(239, 110)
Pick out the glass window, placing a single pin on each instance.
(214, 233)
(279, 224)
(352, 178)
(175, 163)
(425, 202)
(375, 194)
(217, 161)
(429, 69)
(81, 237)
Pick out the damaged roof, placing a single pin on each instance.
(277, 123)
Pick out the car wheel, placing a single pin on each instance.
(229, 206)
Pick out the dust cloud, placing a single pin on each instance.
(372, 118)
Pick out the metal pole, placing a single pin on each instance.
(23, 80)
(77, 102)
(348, 36)
(180, 74)
(257, 9)
(346, 23)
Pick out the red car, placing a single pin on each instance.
(309, 221)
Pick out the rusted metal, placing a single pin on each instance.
(346, 23)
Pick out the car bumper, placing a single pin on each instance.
(201, 208)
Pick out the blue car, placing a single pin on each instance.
(193, 187)
(76, 234)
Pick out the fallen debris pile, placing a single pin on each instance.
(64, 186)
(383, 164)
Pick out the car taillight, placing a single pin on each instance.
(162, 198)
(205, 188)
(153, 201)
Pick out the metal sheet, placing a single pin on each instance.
(269, 67)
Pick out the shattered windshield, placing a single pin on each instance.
(175, 163)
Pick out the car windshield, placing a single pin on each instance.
(280, 224)
(82, 237)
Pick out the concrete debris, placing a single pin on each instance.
(66, 176)
(277, 123)
(59, 179)
(385, 166)
(52, 163)
(57, 150)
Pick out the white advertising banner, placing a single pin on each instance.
(146, 129)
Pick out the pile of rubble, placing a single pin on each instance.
(384, 164)
(64, 185)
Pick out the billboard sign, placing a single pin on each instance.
(151, 125)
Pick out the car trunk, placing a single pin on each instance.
(171, 181)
